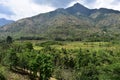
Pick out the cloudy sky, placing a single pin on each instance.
(17, 9)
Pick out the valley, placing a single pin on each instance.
(74, 43)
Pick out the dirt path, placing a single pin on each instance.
(16, 76)
(10, 75)
(22, 74)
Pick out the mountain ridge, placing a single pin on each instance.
(4, 21)
(75, 22)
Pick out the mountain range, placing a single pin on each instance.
(4, 21)
(73, 23)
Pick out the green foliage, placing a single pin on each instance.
(3, 73)
(13, 59)
(88, 73)
(9, 39)
(48, 43)
(2, 77)
(44, 66)
(29, 45)
(93, 61)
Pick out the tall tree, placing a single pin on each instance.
(9, 39)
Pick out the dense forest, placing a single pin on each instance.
(60, 60)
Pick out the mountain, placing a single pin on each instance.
(74, 23)
(4, 21)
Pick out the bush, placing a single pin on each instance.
(48, 43)
(2, 77)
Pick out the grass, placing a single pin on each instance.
(84, 45)
(74, 45)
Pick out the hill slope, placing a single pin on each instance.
(73, 23)
(5, 21)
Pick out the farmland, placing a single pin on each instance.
(68, 60)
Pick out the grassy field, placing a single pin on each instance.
(82, 45)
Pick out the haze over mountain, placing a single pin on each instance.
(73, 23)
(4, 21)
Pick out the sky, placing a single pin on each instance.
(18, 9)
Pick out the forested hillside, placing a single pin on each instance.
(77, 23)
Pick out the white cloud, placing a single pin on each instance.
(76, 1)
(25, 8)
(107, 4)
(111, 4)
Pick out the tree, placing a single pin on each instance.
(29, 45)
(45, 66)
(9, 39)
(13, 59)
